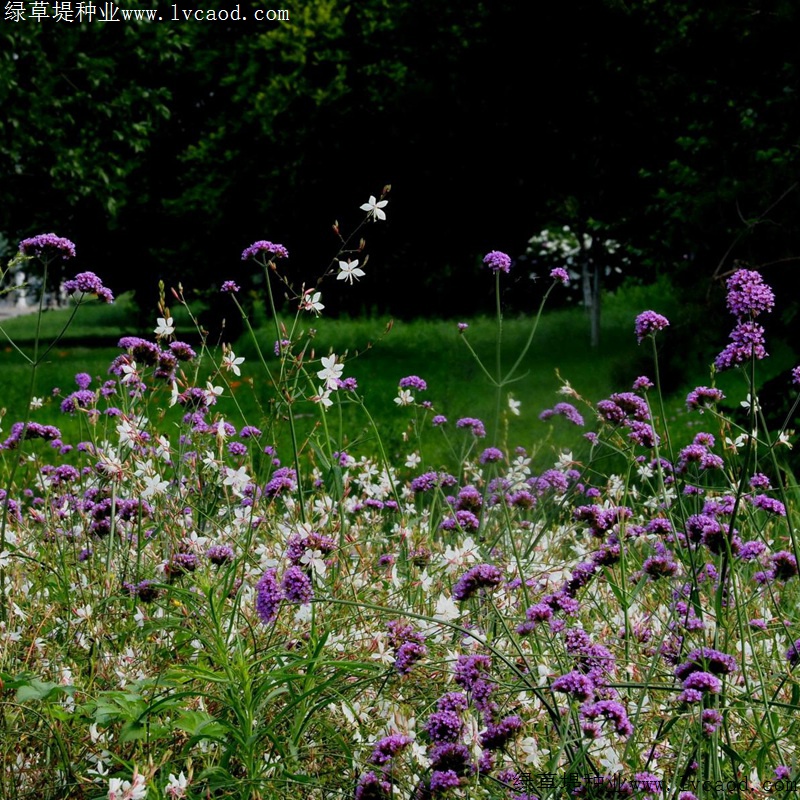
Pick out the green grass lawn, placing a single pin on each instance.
(378, 358)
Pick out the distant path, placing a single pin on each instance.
(11, 310)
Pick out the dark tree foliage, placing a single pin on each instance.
(165, 149)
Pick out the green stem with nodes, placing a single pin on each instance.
(498, 380)
(288, 399)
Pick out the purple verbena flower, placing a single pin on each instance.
(497, 734)
(566, 410)
(497, 261)
(747, 342)
(229, 287)
(477, 427)
(89, 283)
(297, 587)
(481, 576)
(561, 275)
(575, 683)
(220, 554)
(612, 711)
(263, 246)
(268, 596)
(442, 781)
(444, 726)
(388, 747)
(413, 382)
(648, 323)
(748, 295)
(47, 244)
(491, 455)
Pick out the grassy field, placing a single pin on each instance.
(378, 354)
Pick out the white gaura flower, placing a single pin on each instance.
(212, 393)
(412, 460)
(129, 373)
(323, 396)
(446, 609)
(164, 326)
(237, 479)
(311, 302)
(231, 362)
(349, 270)
(153, 485)
(331, 372)
(176, 788)
(375, 208)
(36, 402)
(513, 406)
(404, 397)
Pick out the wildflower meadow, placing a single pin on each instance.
(191, 610)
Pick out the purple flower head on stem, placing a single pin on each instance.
(561, 275)
(297, 586)
(477, 427)
(497, 261)
(388, 747)
(413, 382)
(89, 283)
(575, 683)
(47, 244)
(566, 410)
(648, 323)
(268, 596)
(444, 726)
(229, 287)
(220, 554)
(491, 455)
(747, 342)
(262, 246)
(482, 576)
(748, 295)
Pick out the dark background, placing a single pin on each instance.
(164, 149)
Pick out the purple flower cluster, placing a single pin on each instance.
(697, 685)
(263, 246)
(47, 244)
(220, 554)
(703, 396)
(566, 410)
(89, 283)
(477, 427)
(612, 711)
(497, 261)
(268, 596)
(561, 275)
(748, 295)
(747, 342)
(372, 787)
(388, 747)
(33, 431)
(407, 643)
(297, 586)
(432, 480)
(575, 683)
(413, 382)
(229, 287)
(482, 576)
(648, 323)
(491, 455)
